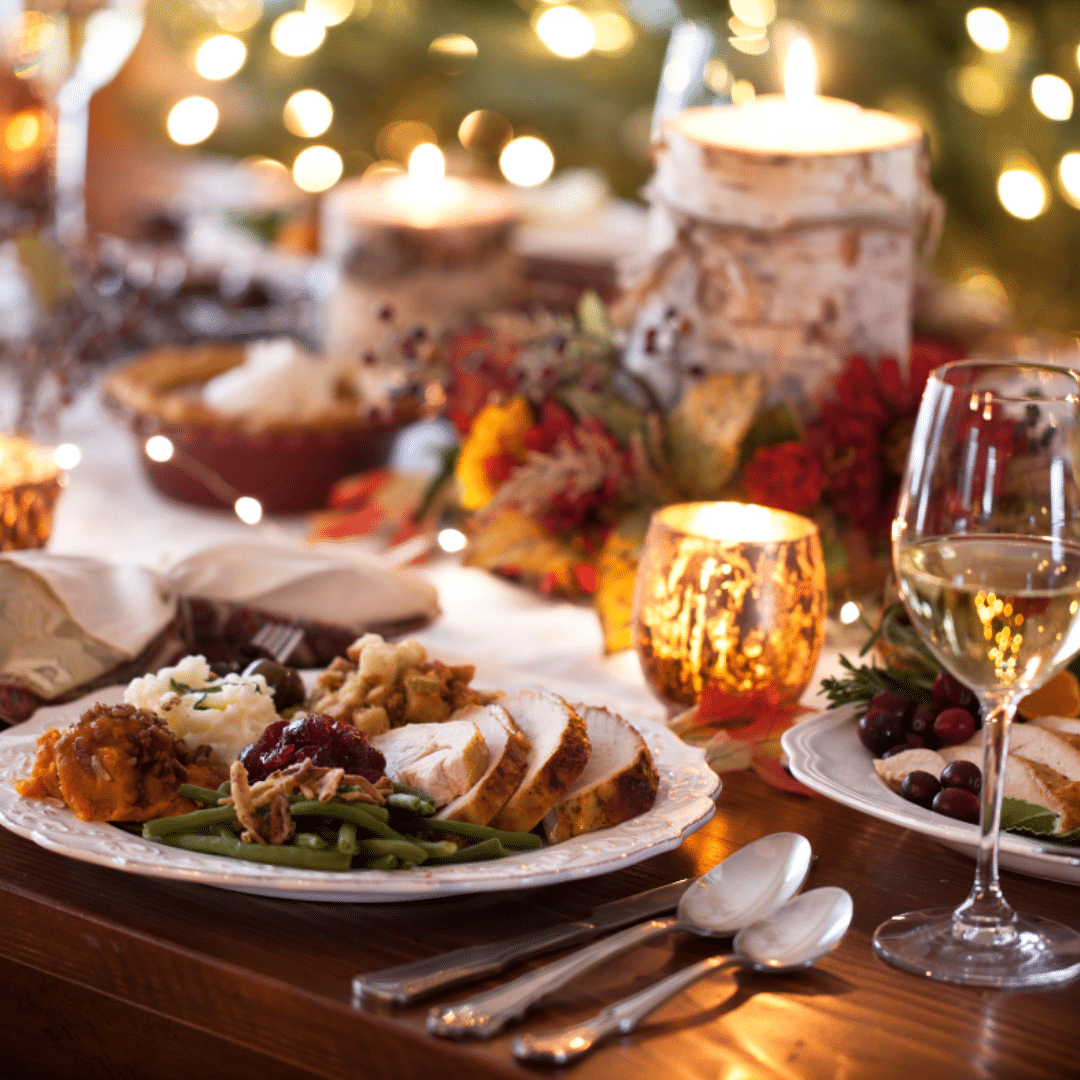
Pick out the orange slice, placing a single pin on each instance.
(1059, 697)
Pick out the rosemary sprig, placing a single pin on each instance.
(867, 680)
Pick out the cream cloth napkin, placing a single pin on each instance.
(304, 583)
(68, 619)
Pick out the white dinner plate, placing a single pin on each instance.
(825, 754)
(684, 803)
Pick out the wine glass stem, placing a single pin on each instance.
(72, 123)
(985, 918)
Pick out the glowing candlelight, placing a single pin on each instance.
(800, 72)
(798, 121)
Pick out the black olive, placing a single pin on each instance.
(285, 681)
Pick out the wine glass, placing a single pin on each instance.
(986, 545)
(62, 51)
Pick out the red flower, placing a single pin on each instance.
(786, 476)
(862, 436)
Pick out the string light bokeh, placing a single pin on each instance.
(994, 87)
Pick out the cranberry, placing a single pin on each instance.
(330, 744)
(922, 724)
(950, 693)
(880, 730)
(956, 802)
(962, 774)
(889, 702)
(899, 748)
(920, 787)
(954, 726)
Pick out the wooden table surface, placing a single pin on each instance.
(131, 977)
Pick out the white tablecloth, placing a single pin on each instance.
(110, 510)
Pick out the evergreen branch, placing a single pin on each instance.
(867, 680)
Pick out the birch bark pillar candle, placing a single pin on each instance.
(418, 250)
(782, 238)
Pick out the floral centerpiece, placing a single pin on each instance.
(565, 453)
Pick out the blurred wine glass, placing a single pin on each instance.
(56, 54)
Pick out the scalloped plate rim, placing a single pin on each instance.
(827, 756)
(677, 814)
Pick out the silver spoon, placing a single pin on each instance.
(795, 936)
(748, 885)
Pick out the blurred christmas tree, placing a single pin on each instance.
(992, 88)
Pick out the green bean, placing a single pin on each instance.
(519, 841)
(404, 789)
(383, 862)
(182, 823)
(277, 854)
(225, 788)
(488, 849)
(405, 850)
(346, 839)
(345, 812)
(313, 841)
(206, 796)
(436, 849)
(412, 803)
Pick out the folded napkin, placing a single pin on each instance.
(346, 589)
(68, 622)
(64, 619)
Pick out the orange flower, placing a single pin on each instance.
(493, 446)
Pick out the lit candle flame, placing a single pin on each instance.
(427, 164)
(800, 72)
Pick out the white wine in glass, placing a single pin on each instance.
(986, 545)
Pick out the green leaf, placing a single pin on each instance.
(1017, 814)
(620, 419)
(771, 426)
(592, 316)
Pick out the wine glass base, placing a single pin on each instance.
(1043, 953)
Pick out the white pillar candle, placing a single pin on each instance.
(421, 249)
(782, 238)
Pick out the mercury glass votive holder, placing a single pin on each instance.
(29, 487)
(729, 597)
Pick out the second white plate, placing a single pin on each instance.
(825, 754)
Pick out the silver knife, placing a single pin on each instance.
(409, 982)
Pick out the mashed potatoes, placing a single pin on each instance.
(199, 707)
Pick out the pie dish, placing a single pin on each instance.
(825, 753)
(288, 465)
(684, 803)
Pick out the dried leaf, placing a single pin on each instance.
(706, 429)
(616, 569)
(510, 543)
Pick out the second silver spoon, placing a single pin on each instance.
(797, 935)
(745, 887)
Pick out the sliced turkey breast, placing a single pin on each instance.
(444, 760)
(508, 761)
(1052, 748)
(618, 782)
(559, 753)
(1064, 725)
